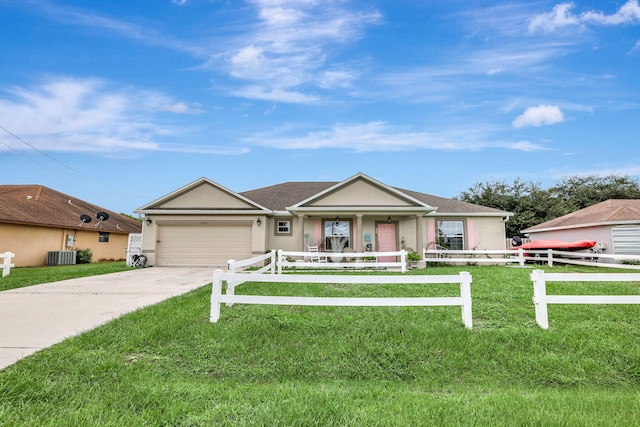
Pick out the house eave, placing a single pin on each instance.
(202, 211)
(586, 225)
(504, 215)
(358, 209)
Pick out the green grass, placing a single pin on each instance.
(346, 366)
(28, 276)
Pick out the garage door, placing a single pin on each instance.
(210, 245)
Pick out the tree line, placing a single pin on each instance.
(531, 204)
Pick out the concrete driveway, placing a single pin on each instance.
(37, 317)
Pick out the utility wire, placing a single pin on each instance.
(27, 157)
(63, 164)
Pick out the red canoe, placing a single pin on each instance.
(557, 244)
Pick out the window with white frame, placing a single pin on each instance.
(451, 234)
(337, 235)
(283, 226)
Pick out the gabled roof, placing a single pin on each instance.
(280, 196)
(42, 206)
(382, 196)
(202, 196)
(609, 212)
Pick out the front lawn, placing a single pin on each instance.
(28, 276)
(344, 366)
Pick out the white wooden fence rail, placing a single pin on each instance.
(521, 256)
(357, 260)
(541, 299)
(485, 256)
(464, 300)
(235, 266)
(6, 263)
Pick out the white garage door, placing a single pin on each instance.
(210, 245)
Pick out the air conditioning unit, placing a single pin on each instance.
(61, 257)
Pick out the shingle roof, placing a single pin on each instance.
(609, 211)
(280, 196)
(40, 205)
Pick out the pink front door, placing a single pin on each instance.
(387, 241)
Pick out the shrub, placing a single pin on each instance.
(413, 256)
(83, 256)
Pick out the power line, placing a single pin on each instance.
(26, 157)
(72, 169)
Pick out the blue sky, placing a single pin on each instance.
(119, 103)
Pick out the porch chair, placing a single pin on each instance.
(315, 255)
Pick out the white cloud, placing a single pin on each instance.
(87, 115)
(561, 16)
(291, 46)
(381, 136)
(557, 18)
(276, 95)
(628, 13)
(538, 116)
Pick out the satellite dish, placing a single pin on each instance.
(102, 216)
(85, 219)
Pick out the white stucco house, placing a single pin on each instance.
(206, 224)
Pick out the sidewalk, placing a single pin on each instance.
(36, 317)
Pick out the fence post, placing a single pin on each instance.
(550, 257)
(403, 260)
(540, 298)
(465, 293)
(231, 265)
(279, 261)
(521, 257)
(216, 293)
(6, 265)
(273, 262)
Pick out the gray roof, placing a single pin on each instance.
(609, 211)
(278, 197)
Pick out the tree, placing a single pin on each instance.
(529, 203)
(582, 191)
(533, 205)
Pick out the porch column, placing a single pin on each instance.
(419, 234)
(359, 235)
(301, 232)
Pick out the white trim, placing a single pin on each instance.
(184, 189)
(299, 206)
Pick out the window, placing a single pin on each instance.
(451, 234)
(337, 235)
(283, 227)
(104, 237)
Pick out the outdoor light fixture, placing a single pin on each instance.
(259, 222)
(337, 220)
(389, 220)
(148, 221)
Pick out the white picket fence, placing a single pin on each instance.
(475, 256)
(354, 260)
(218, 297)
(521, 256)
(541, 299)
(6, 263)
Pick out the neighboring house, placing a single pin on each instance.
(613, 224)
(206, 224)
(35, 220)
